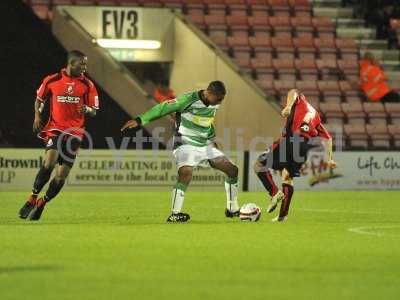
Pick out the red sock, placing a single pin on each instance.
(268, 182)
(288, 191)
(40, 203)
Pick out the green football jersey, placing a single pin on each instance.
(194, 122)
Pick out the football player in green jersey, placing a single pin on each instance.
(193, 143)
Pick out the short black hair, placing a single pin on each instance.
(217, 87)
(74, 55)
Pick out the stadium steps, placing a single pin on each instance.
(349, 27)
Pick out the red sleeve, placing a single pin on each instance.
(322, 132)
(93, 97)
(43, 91)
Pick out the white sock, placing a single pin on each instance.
(178, 196)
(231, 196)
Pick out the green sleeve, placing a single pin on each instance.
(165, 108)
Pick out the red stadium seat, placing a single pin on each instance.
(348, 90)
(326, 48)
(302, 24)
(220, 38)
(237, 7)
(198, 20)
(375, 112)
(285, 69)
(330, 91)
(332, 112)
(262, 65)
(394, 131)
(279, 7)
(260, 22)
(307, 68)
(300, 7)
(283, 86)
(393, 110)
(354, 112)
(379, 135)
(173, 4)
(238, 24)
(194, 7)
(348, 49)
(357, 135)
(239, 43)
(280, 23)
(216, 7)
(324, 26)
(283, 47)
(308, 87)
(261, 44)
(305, 47)
(216, 22)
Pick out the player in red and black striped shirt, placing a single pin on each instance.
(289, 153)
(72, 96)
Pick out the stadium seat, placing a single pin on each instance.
(239, 43)
(348, 49)
(283, 47)
(326, 48)
(332, 112)
(285, 69)
(308, 87)
(173, 4)
(266, 85)
(324, 27)
(220, 38)
(216, 7)
(261, 44)
(313, 100)
(305, 47)
(258, 5)
(198, 20)
(357, 135)
(300, 7)
(379, 135)
(260, 22)
(238, 25)
(283, 86)
(349, 68)
(330, 90)
(279, 7)
(307, 68)
(393, 110)
(394, 131)
(302, 24)
(354, 112)
(237, 7)
(280, 24)
(216, 22)
(348, 90)
(376, 112)
(328, 68)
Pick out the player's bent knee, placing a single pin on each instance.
(185, 174)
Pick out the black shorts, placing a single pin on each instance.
(67, 147)
(288, 153)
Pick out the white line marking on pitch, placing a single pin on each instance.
(366, 230)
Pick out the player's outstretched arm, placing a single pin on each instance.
(158, 111)
(37, 122)
(291, 97)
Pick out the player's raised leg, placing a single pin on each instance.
(54, 188)
(178, 195)
(223, 164)
(42, 177)
(288, 189)
(263, 173)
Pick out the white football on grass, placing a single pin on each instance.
(250, 212)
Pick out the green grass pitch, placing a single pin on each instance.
(335, 245)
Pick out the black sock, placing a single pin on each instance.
(41, 179)
(55, 187)
(288, 190)
(268, 182)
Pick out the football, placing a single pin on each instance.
(250, 212)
